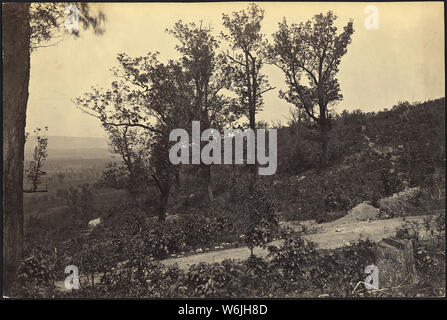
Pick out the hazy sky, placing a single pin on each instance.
(402, 60)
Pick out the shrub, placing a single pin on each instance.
(257, 208)
(295, 260)
(37, 274)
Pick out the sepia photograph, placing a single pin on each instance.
(223, 150)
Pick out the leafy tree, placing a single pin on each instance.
(209, 74)
(115, 176)
(153, 97)
(128, 143)
(257, 209)
(309, 55)
(34, 172)
(248, 43)
(25, 27)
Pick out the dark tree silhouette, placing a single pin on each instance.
(151, 96)
(209, 74)
(309, 55)
(248, 44)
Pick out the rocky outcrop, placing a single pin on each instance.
(399, 204)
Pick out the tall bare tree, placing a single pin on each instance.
(309, 54)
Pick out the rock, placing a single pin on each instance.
(388, 150)
(296, 178)
(122, 264)
(94, 223)
(377, 152)
(399, 204)
(173, 218)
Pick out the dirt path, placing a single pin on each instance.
(330, 235)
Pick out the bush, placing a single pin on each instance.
(257, 208)
(37, 274)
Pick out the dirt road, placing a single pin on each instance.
(329, 235)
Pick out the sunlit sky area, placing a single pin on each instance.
(401, 60)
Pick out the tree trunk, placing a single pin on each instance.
(163, 205)
(16, 71)
(209, 187)
(324, 131)
(395, 260)
(253, 92)
(177, 179)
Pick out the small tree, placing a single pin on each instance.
(258, 208)
(129, 144)
(34, 171)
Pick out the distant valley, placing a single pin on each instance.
(61, 147)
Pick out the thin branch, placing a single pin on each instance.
(268, 89)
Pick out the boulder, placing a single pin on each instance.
(94, 223)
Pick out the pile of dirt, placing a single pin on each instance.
(362, 212)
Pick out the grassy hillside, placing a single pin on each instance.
(372, 156)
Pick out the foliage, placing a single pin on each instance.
(80, 200)
(243, 33)
(46, 20)
(417, 131)
(153, 97)
(115, 176)
(148, 99)
(37, 274)
(34, 171)
(258, 209)
(309, 54)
